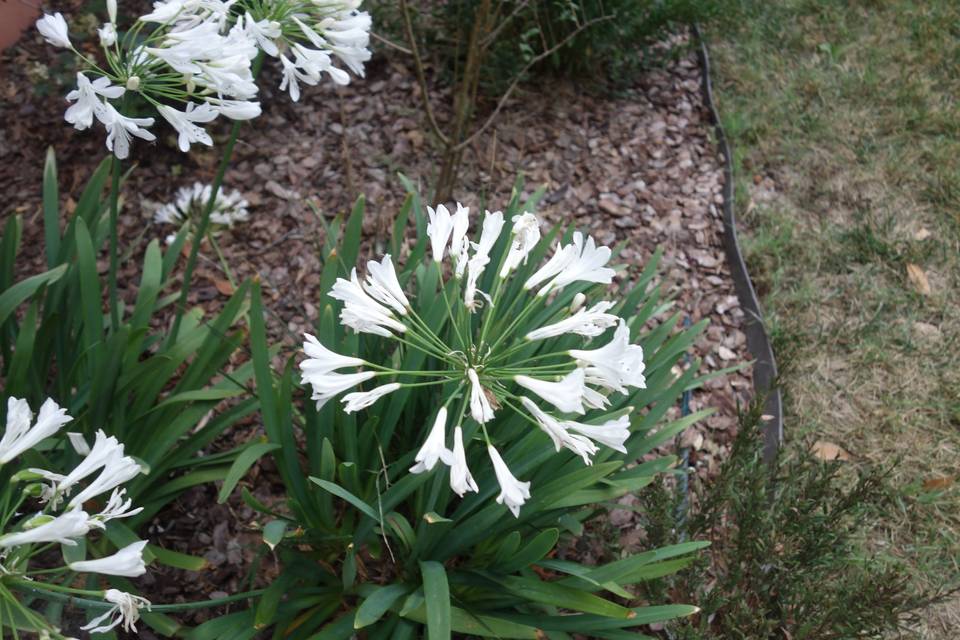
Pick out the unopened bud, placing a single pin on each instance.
(33, 490)
(38, 520)
(578, 301)
(133, 83)
(25, 475)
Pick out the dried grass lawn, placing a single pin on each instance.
(846, 127)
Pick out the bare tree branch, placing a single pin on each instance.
(421, 78)
(390, 43)
(490, 37)
(516, 80)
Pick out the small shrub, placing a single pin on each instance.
(788, 555)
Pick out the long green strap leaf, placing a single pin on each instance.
(436, 592)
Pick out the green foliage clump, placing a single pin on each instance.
(366, 544)
(789, 550)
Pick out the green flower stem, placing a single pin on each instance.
(426, 348)
(56, 588)
(425, 384)
(114, 240)
(223, 261)
(205, 218)
(513, 325)
(420, 325)
(386, 371)
(61, 596)
(446, 300)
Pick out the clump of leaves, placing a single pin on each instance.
(788, 555)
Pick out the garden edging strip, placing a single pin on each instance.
(758, 340)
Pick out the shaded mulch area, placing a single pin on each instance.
(639, 168)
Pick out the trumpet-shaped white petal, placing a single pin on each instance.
(585, 322)
(566, 395)
(461, 480)
(78, 442)
(19, 435)
(236, 109)
(54, 30)
(574, 263)
(185, 123)
(321, 361)
(617, 365)
(459, 242)
(126, 610)
(594, 399)
(612, 433)
(328, 385)
(363, 399)
(120, 128)
(480, 407)
(382, 284)
(107, 34)
(492, 226)
(526, 235)
(588, 265)
(117, 469)
(513, 492)
(264, 33)
(360, 311)
(104, 449)
(88, 101)
(63, 529)
(434, 447)
(557, 431)
(562, 258)
(117, 507)
(439, 229)
(127, 562)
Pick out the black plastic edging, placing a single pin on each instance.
(758, 341)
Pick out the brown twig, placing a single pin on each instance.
(516, 81)
(492, 36)
(421, 77)
(390, 43)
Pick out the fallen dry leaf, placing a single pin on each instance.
(922, 234)
(918, 278)
(223, 286)
(937, 483)
(824, 450)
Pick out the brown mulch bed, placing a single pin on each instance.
(639, 168)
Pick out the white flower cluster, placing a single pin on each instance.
(66, 523)
(196, 61)
(229, 208)
(485, 360)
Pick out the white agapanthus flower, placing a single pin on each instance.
(189, 203)
(24, 538)
(478, 352)
(190, 61)
(126, 611)
(127, 562)
(308, 38)
(21, 433)
(64, 529)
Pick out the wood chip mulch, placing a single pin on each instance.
(639, 168)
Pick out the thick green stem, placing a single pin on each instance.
(201, 231)
(49, 594)
(205, 218)
(114, 244)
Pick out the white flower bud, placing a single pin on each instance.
(578, 301)
(133, 83)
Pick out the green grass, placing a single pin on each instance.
(845, 122)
